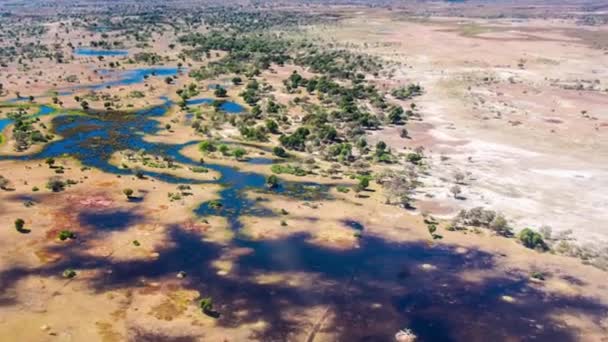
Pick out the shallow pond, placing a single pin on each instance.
(227, 106)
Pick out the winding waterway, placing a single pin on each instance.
(373, 290)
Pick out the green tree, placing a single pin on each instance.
(272, 182)
(239, 153)
(272, 126)
(19, 224)
(206, 304)
(128, 192)
(279, 152)
(532, 239)
(220, 92)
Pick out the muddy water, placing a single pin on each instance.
(372, 291)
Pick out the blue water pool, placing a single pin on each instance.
(99, 52)
(227, 106)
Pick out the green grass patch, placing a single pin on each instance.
(288, 169)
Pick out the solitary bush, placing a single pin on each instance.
(128, 192)
(207, 146)
(66, 234)
(215, 204)
(69, 273)
(220, 92)
(239, 153)
(289, 169)
(3, 183)
(532, 239)
(55, 184)
(206, 305)
(19, 224)
(272, 181)
(279, 152)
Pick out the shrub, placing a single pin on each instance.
(199, 169)
(3, 183)
(66, 234)
(19, 224)
(138, 173)
(414, 158)
(206, 304)
(215, 204)
(342, 188)
(537, 275)
(288, 169)
(207, 146)
(296, 140)
(272, 126)
(55, 184)
(363, 184)
(69, 273)
(272, 182)
(279, 152)
(532, 239)
(239, 152)
(220, 92)
(128, 192)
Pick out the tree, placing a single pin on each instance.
(224, 149)
(279, 152)
(168, 80)
(66, 234)
(4, 183)
(207, 146)
(297, 140)
(236, 80)
(19, 224)
(220, 92)
(69, 273)
(272, 126)
(380, 147)
(50, 161)
(414, 158)
(272, 182)
(395, 115)
(239, 153)
(363, 184)
(532, 239)
(206, 304)
(455, 190)
(399, 186)
(55, 184)
(459, 177)
(84, 105)
(128, 192)
(138, 173)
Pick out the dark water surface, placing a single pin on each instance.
(373, 290)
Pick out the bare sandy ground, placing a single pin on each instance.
(519, 106)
